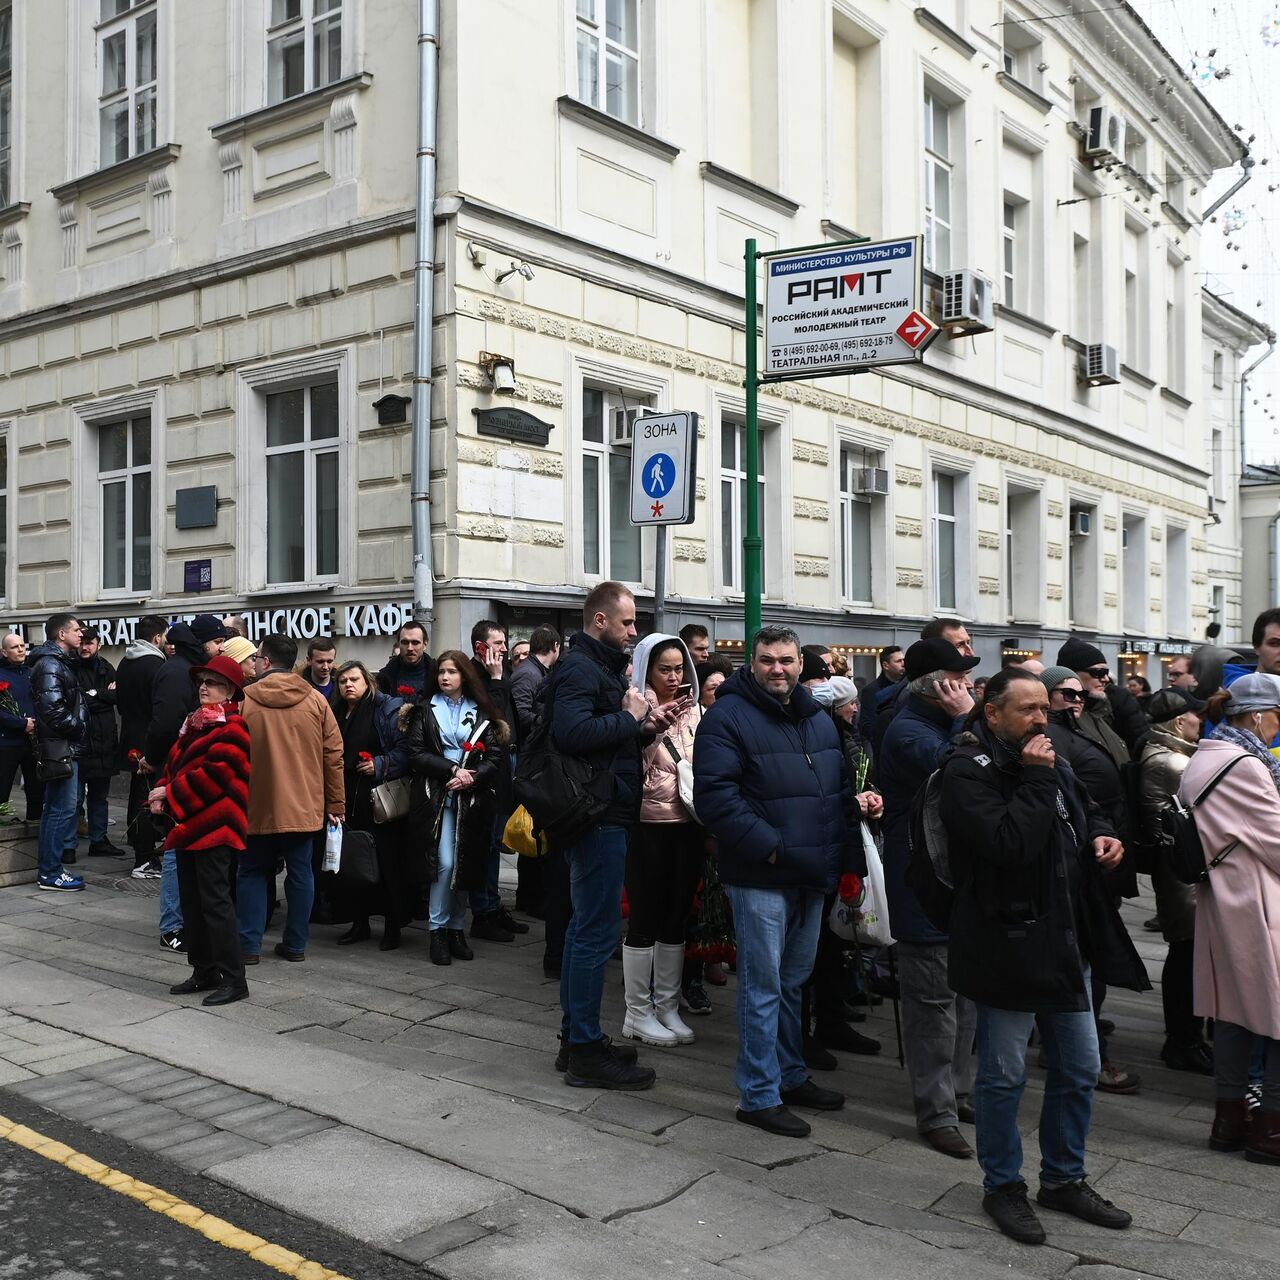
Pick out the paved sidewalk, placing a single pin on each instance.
(416, 1108)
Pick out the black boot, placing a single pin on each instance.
(390, 936)
(593, 1066)
(456, 941)
(359, 932)
(440, 947)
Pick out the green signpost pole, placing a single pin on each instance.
(751, 541)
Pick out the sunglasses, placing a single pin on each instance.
(1070, 695)
(211, 681)
(1099, 673)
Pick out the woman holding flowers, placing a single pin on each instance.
(455, 742)
(372, 753)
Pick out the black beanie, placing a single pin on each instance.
(1080, 655)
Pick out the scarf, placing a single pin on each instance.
(1248, 742)
(205, 717)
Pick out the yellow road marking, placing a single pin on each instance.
(215, 1229)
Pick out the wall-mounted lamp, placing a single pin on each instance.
(517, 268)
(501, 371)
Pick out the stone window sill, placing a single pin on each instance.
(721, 177)
(603, 122)
(290, 107)
(145, 163)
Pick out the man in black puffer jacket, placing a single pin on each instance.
(597, 717)
(770, 785)
(99, 761)
(61, 721)
(1030, 922)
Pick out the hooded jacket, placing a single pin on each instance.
(770, 780)
(56, 696)
(421, 679)
(587, 720)
(660, 785)
(173, 696)
(13, 728)
(102, 742)
(1031, 909)
(296, 748)
(135, 679)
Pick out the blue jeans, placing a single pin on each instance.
(596, 868)
(1071, 1042)
(170, 901)
(58, 822)
(448, 906)
(777, 944)
(257, 868)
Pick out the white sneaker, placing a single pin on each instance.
(147, 871)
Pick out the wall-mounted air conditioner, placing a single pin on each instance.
(1105, 140)
(872, 482)
(1081, 524)
(966, 303)
(1100, 365)
(623, 427)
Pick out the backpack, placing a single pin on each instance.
(928, 872)
(564, 795)
(1183, 849)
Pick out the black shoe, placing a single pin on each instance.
(69, 858)
(694, 999)
(1106, 1026)
(194, 984)
(250, 960)
(813, 1095)
(173, 942)
(1080, 1200)
(1009, 1207)
(816, 1057)
(1152, 925)
(456, 941)
(104, 849)
(510, 923)
(965, 1112)
(949, 1141)
(623, 1052)
(593, 1066)
(775, 1120)
(228, 993)
(1188, 1057)
(843, 1038)
(490, 928)
(440, 947)
(551, 969)
(293, 957)
(357, 933)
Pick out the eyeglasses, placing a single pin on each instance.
(211, 682)
(1070, 695)
(1099, 673)
(259, 657)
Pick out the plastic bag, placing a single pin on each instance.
(518, 834)
(871, 928)
(332, 848)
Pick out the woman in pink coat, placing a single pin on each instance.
(1237, 949)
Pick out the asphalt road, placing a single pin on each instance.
(58, 1225)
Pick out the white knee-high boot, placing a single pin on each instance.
(640, 1022)
(668, 969)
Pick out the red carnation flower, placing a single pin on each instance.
(405, 690)
(473, 746)
(850, 888)
(366, 757)
(134, 756)
(4, 685)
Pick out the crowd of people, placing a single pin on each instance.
(691, 813)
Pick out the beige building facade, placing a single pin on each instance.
(207, 297)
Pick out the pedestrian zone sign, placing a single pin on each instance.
(664, 454)
(843, 308)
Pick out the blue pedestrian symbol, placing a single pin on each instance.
(659, 475)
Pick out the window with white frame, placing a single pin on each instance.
(1083, 564)
(733, 500)
(607, 50)
(1014, 244)
(1217, 370)
(939, 173)
(1133, 565)
(948, 525)
(6, 104)
(1177, 581)
(610, 542)
(127, 49)
(863, 479)
(1135, 308)
(124, 504)
(304, 46)
(303, 483)
(1217, 467)
(1023, 555)
(1174, 328)
(1022, 54)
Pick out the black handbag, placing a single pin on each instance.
(358, 864)
(54, 760)
(1183, 849)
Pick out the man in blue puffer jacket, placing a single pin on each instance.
(17, 727)
(770, 785)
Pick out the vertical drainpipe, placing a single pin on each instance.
(423, 302)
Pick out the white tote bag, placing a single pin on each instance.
(865, 922)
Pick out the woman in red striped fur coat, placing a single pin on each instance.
(205, 790)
